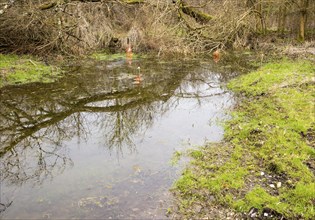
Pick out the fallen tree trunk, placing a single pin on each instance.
(52, 4)
(47, 5)
(198, 15)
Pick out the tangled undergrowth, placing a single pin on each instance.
(81, 27)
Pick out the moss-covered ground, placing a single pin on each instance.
(25, 69)
(265, 166)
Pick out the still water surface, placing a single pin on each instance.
(98, 142)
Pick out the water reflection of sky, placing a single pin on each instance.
(94, 146)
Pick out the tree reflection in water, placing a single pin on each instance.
(37, 119)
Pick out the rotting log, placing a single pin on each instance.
(52, 4)
(198, 15)
(47, 5)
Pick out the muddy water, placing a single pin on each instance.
(98, 142)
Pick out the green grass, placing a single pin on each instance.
(24, 69)
(267, 133)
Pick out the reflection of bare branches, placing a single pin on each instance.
(200, 84)
(204, 81)
(198, 96)
(41, 122)
(3, 207)
(15, 166)
(40, 119)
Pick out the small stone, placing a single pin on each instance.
(278, 184)
(197, 208)
(262, 173)
(253, 215)
(272, 186)
(211, 198)
(253, 212)
(265, 214)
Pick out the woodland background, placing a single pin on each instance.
(79, 27)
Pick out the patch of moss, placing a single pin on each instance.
(25, 69)
(263, 161)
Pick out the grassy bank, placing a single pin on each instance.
(266, 165)
(24, 69)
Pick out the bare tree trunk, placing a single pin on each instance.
(302, 27)
(262, 19)
(303, 17)
(256, 6)
(282, 18)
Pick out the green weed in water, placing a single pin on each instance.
(176, 157)
(112, 57)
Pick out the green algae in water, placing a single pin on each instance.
(116, 56)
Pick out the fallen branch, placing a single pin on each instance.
(133, 1)
(199, 16)
(47, 5)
